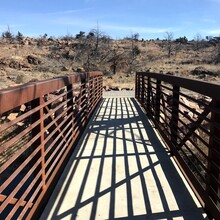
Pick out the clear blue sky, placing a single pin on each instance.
(117, 18)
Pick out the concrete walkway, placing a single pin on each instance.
(120, 170)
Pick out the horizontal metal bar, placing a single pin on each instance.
(30, 91)
(80, 95)
(14, 201)
(201, 154)
(202, 87)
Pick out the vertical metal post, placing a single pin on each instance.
(96, 87)
(100, 87)
(70, 104)
(136, 85)
(39, 142)
(88, 92)
(214, 157)
(83, 88)
(158, 95)
(92, 93)
(101, 78)
(42, 145)
(142, 90)
(35, 117)
(175, 115)
(149, 91)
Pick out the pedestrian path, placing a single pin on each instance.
(121, 170)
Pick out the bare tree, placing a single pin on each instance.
(169, 43)
(216, 54)
(135, 36)
(114, 61)
(8, 35)
(96, 35)
(133, 53)
(198, 41)
(92, 49)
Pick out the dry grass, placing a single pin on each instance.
(153, 56)
(120, 80)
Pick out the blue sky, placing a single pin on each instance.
(117, 18)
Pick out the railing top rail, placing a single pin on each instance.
(190, 127)
(95, 73)
(40, 123)
(202, 87)
(16, 96)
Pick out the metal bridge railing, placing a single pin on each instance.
(39, 125)
(187, 114)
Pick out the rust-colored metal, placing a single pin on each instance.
(36, 145)
(175, 115)
(14, 201)
(186, 113)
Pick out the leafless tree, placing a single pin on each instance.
(198, 41)
(216, 54)
(8, 35)
(132, 54)
(117, 60)
(169, 43)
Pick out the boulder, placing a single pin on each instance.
(12, 116)
(169, 73)
(114, 88)
(25, 41)
(106, 88)
(33, 60)
(64, 68)
(13, 63)
(4, 62)
(201, 71)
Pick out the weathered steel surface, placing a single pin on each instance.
(186, 113)
(35, 145)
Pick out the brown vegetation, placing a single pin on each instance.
(24, 59)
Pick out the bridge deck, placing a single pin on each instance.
(120, 170)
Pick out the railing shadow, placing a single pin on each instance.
(120, 170)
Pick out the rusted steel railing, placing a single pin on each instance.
(187, 114)
(39, 124)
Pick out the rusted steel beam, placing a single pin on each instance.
(70, 106)
(95, 74)
(6, 145)
(54, 121)
(195, 125)
(18, 170)
(14, 201)
(149, 96)
(142, 94)
(199, 154)
(56, 159)
(202, 87)
(175, 115)
(19, 95)
(214, 151)
(51, 143)
(157, 101)
(17, 188)
(136, 85)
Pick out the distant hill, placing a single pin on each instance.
(24, 59)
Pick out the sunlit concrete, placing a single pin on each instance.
(120, 170)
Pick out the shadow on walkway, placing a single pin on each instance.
(120, 170)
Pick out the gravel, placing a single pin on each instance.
(118, 94)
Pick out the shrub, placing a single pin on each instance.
(19, 79)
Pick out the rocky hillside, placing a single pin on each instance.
(31, 59)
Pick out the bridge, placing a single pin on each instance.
(68, 150)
